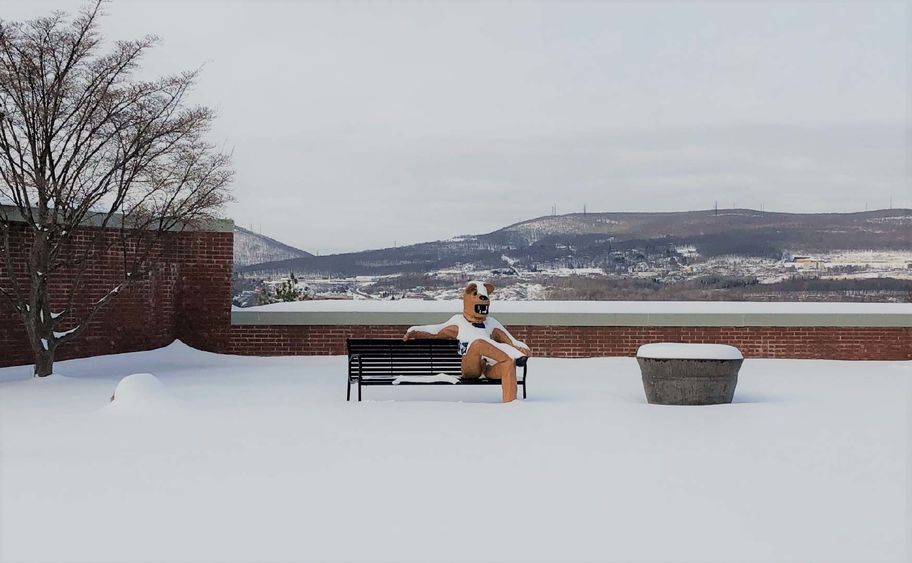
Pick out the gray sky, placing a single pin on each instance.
(359, 125)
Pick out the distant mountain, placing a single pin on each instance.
(253, 248)
(603, 239)
(818, 230)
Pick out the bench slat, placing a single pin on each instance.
(401, 371)
(463, 382)
(406, 359)
(396, 372)
(449, 353)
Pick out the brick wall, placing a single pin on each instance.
(207, 262)
(188, 295)
(193, 271)
(839, 343)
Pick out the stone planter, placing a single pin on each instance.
(689, 374)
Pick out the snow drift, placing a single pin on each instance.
(140, 391)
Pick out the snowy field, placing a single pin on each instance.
(261, 459)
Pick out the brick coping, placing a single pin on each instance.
(209, 226)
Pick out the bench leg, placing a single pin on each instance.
(359, 388)
(524, 381)
(348, 389)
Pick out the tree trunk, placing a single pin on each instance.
(41, 330)
(44, 363)
(41, 334)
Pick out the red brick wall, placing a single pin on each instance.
(207, 262)
(579, 342)
(193, 271)
(188, 296)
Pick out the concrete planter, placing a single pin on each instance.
(689, 374)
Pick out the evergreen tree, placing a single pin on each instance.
(289, 290)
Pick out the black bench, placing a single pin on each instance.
(379, 361)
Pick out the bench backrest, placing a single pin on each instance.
(394, 357)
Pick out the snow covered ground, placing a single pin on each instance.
(261, 459)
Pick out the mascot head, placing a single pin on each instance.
(476, 300)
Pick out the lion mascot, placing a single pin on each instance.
(486, 346)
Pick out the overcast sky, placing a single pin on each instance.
(359, 125)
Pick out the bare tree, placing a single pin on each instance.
(87, 146)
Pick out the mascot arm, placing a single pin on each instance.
(502, 335)
(445, 330)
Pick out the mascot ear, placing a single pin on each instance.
(468, 289)
(490, 287)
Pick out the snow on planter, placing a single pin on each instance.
(689, 374)
(678, 351)
(138, 391)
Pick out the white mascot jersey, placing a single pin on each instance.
(470, 332)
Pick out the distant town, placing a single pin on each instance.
(709, 255)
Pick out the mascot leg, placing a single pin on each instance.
(475, 362)
(473, 365)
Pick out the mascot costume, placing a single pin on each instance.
(487, 348)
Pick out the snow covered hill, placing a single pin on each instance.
(253, 248)
(611, 241)
(816, 230)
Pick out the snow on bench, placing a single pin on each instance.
(439, 378)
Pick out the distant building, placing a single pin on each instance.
(808, 263)
(808, 267)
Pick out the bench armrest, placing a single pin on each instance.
(354, 374)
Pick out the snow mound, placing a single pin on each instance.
(138, 391)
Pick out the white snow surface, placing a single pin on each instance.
(639, 307)
(680, 351)
(265, 461)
